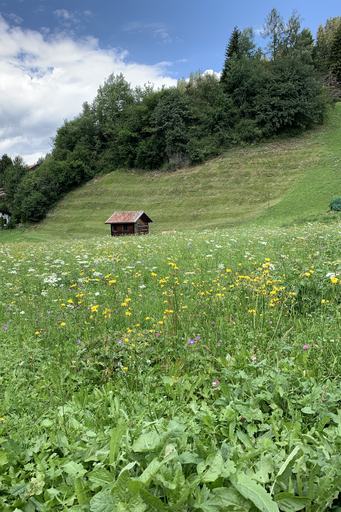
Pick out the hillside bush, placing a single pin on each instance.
(335, 205)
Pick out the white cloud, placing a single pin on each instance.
(46, 78)
(156, 30)
(64, 14)
(15, 18)
(212, 72)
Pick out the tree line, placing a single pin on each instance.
(285, 89)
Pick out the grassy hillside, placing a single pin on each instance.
(296, 177)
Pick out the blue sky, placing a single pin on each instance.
(58, 53)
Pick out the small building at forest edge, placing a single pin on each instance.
(6, 215)
(129, 223)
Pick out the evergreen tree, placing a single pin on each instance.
(324, 39)
(233, 48)
(5, 162)
(335, 54)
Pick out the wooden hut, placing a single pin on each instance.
(129, 223)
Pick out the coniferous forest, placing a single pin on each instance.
(284, 88)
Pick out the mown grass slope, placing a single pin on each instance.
(284, 181)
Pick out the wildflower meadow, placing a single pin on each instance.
(196, 371)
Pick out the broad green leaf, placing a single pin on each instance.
(264, 467)
(293, 504)
(19, 489)
(214, 471)
(308, 410)
(228, 469)
(150, 470)
(134, 486)
(46, 423)
(168, 380)
(185, 493)
(166, 484)
(230, 497)
(74, 469)
(101, 477)
(283, 496)
(129, 466)
(245, 439)
(102, 502)
(80, 490)
(152, 500)
(3, 459)
(115, 441)
(136, 504)
(76, 508)
(188, 458)
(285, 464)
(119, 491)
(146, 442)
(254, 492)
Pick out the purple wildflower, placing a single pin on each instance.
(305, 347)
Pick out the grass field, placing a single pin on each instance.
(195, 371)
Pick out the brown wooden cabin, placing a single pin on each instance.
(129, 223)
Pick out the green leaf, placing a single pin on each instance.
(152, 500)
(134, 486)
(80, 490)
(308, 410)
(3, 459)
(46, 423)
(150, 470)
(119, 491)
(228, 469)
(229, 497)
(214, 471)
(19, 489)
(74, 469)
(101, 477)
(244, 439)
(254, 492)
(146, 442)
(115, 441)
(188, 458)
(285, 465)
(293, 504)
(102, 502)
(168, 380)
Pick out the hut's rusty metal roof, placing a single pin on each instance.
(127, 217)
